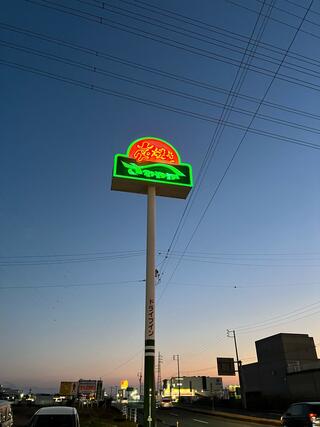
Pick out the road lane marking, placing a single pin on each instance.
(200, 421)
(174, 415)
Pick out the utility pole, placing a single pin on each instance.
(177, 358)
(232, 334)
(159, 382)
(139, 375)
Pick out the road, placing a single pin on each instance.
(170, 417)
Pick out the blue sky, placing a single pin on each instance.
(255, 255)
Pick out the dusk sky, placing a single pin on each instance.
(79, 82)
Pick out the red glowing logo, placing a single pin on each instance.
(149, 149)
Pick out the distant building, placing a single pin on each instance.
(191, 387)
(287, 370)
(232, 391)
(129, 394)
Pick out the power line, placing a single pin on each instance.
(289, 320)
(216, 137)
(168, 42)
(309, 256)
(215, 29)
(280, 317)
(185, 95)
(72, 285)
(187, 113)
(134, 356)
(244, 264)
(68, 261)
(274, 19)
(245, 286)
(302, 7)
(78, 254)
(292, 14)
(189, 33)
(238, 147)
(152, 70)
(207, 158)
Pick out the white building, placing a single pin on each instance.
(192, 387)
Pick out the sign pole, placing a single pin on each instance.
(149, 355)
(151, 166)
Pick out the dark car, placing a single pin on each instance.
(306, 414)
(55, 416)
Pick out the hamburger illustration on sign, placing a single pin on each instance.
(152, 161)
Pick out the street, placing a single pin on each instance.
(170, 417)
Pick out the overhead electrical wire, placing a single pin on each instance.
(215, 29)
(245, 286)
(98, 70)
(302, 7)
(215, 139)
(279, 317)
(310, 33)
(205, 38)
(100, 89)
(292, 14)
(282, 322)
(71, 285)
(236, 151)
(241, 264)
(69, 260)
(134, 356)
(152, 70)
(165, 40)
(78, 254)
(306, 256)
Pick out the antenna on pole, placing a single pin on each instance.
(159, 380)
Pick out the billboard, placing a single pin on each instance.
(87, 387)
(225, 366)
(68, 388)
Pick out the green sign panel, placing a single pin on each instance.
(162, 173)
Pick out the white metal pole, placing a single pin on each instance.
(149, 382)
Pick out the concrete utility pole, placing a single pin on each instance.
(139, 375)
(177, 358)
(232, 334)
(160, 360)
(149, 354)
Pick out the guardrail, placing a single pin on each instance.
(131, 413)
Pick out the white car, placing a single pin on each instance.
(52, 416)
(166, 402)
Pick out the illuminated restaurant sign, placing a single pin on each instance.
(152, 161)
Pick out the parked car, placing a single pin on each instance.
(53, 416)
(304, 414)
(6, 419)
